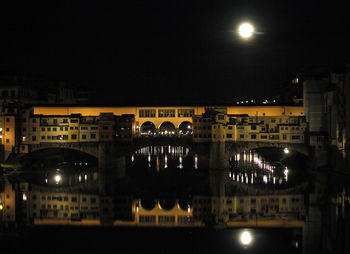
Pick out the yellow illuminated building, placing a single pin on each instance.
(238, 208)
(220, 126)
(176, 216)
(22, 203)
(44, 124)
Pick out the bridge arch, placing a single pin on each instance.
(90, 148)
(236, 147)
(185, 128)
(167, 129)
(148, 128)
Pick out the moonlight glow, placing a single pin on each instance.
(246, 30)
(246, 238)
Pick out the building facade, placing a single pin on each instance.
(217, 126)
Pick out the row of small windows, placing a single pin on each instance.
(65, 198)
(65, 137)
(66, 207)
(164, 219)
(252, 200)
(166, 113)
(66, 128)
(252, 136)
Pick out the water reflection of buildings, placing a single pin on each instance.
(74, 198)
(26, 204)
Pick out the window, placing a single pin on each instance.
(93, 136)
(166, 219)
(33, 138)
(253, 136)
(284, 136)
(221, 117)
(34, 120)
(34, 129)
(105, 128)
(147, 219)
(166, 113)
(241, 136)
(229, 135)
(54, 129)
(42, 137)
(42, 129)
(263, 137)
(253, 127)
(83, 136)
(147, 113)
(185, 113)
(73, 136)
(55, 121)
(7, 129)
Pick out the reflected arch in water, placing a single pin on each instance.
(167, 203)
(167, 129)
(70, 166)
(148, 203)
(148, 128)
(185, 128)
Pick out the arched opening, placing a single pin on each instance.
(167, 129)
(167, 204)
(185, 128)
(148, 203)
(58, 167)
(148, 129)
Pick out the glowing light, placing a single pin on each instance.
(286, 150)
(246, 238)
(246, 30)
(265, 179)
(24, 197)
(58, 178)
(188, 208)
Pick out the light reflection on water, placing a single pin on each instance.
(246, 167)
(251, 168)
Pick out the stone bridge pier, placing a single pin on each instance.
(111, 166)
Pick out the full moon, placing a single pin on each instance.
(246, 238)
(246, 30)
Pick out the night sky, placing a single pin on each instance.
(173, 51)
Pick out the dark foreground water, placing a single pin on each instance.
(149, 240)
